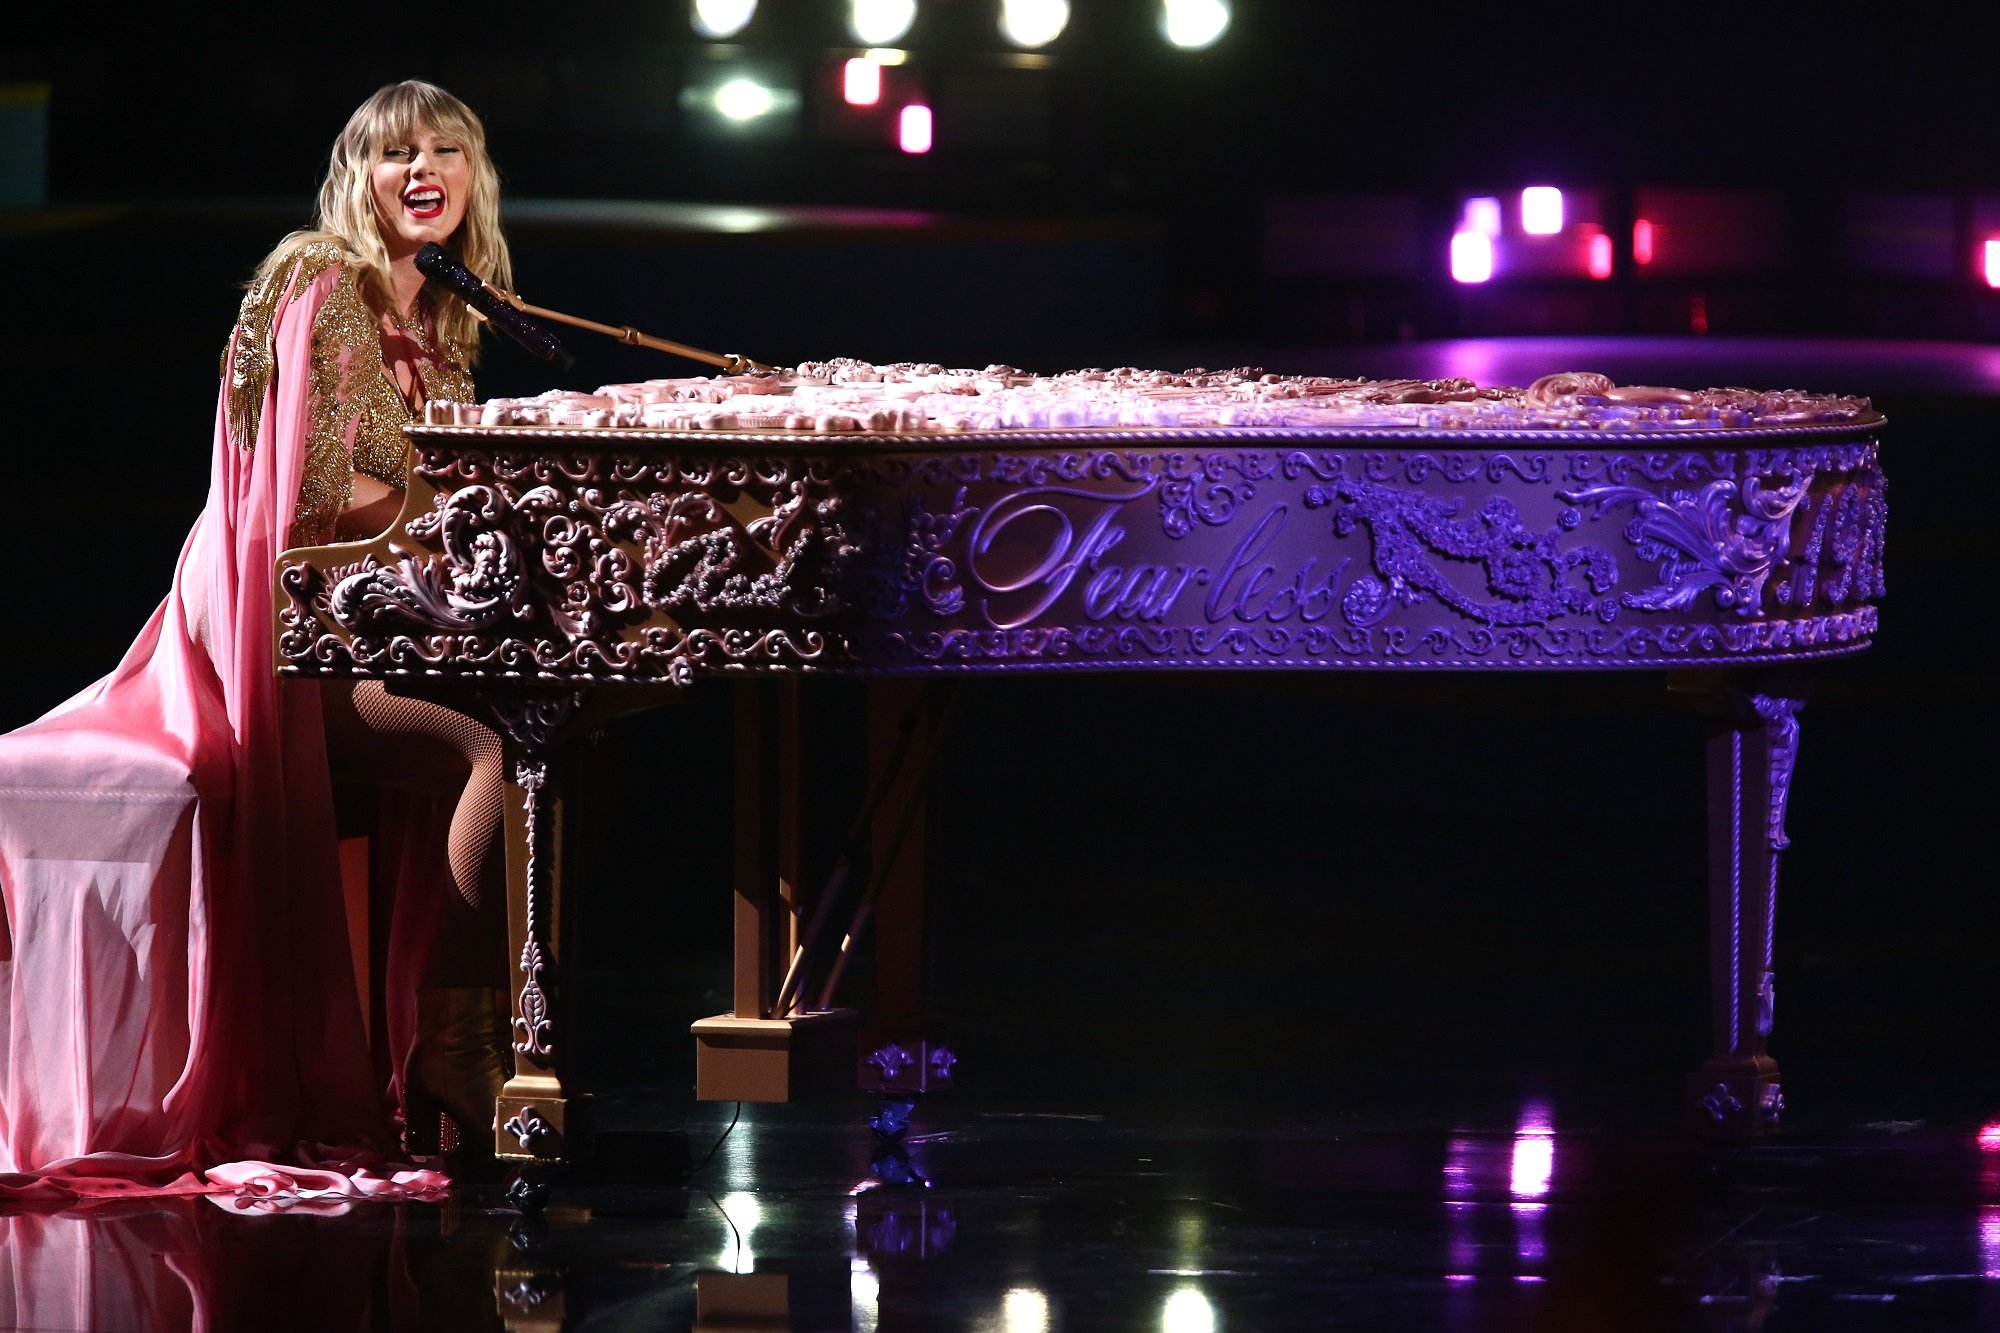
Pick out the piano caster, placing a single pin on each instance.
(891, 1163)
(528, 1189)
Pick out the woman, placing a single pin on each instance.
(179, 1007)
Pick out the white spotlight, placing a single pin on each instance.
(722, 18)
(880, 22)
(1541, 210)
(1471, 256)
(1194, 23)
(913, 129)
(1032, 23)
(1024, 1310)
(861, 82)
(1187, 1311)
(744, 99)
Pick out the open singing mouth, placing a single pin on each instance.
(426, 201)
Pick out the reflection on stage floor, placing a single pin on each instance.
(1512, 1219)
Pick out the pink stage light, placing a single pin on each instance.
(1471, 256)
(1642, 242)
(1989, 1133)
(861, 82)
(1534, 1162)
(1600, 255)
(1541, 210)
(913, 129)
(1993, 261)
(1534, 1165)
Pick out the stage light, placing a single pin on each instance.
(1598, 257)
(743, 100)
(880, 22)
(913, 129)
(1482, 216)
(1190, 24)
(1471, 256)
(1541, 210)
(1993, 261)
(864, 1297)
(722, 18)
(1534, 1163)
(1024, 1310)
(1187, 1311)
(1033, 23)
(741, 1215)
(861, 82)
(1642, 242)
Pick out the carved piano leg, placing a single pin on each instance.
(1752, 747)
(537, 1123)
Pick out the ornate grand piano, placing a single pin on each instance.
(546, 578)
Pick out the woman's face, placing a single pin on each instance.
(421, 188)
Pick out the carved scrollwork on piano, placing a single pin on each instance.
(590, 567)
(566, 556)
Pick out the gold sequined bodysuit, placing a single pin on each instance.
(356, 412)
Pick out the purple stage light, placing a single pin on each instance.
(1534, 1162)
(1991, 257)
(1482, 215)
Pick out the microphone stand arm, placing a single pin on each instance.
(732, 362)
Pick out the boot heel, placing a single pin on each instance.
(452, 1074)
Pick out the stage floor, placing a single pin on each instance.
(1514, 1219)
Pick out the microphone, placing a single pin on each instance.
(442, 267)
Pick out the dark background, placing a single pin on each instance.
(1378, 893)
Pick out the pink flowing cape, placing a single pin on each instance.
(178, 1011)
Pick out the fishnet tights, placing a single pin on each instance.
(388, 740)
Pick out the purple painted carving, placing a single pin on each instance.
(1781, 716)
(1205, 498)
(924, 575)
(892, 1060)
(1526, 573)
(1723, 538)
(1720, 1103)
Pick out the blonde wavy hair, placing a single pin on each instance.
(346, 215)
